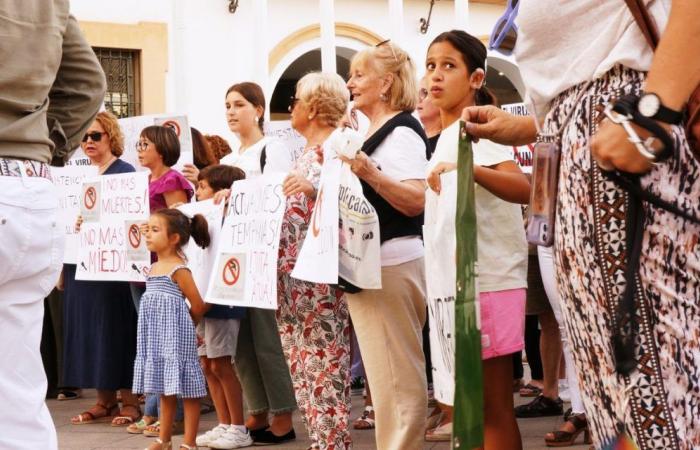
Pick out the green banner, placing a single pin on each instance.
(468, 427)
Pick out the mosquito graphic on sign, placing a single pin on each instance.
(89, 204)
(229, 281)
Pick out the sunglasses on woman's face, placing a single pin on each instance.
(505, 32)
(95, 136)
(292, 103)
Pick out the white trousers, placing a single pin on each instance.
(31, 253)
(546, 261)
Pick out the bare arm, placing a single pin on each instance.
(494, 124)
(184, 280)
(504, 180)
(172, 198)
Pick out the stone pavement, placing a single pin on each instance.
(103, 436)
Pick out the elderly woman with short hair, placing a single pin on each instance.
(313, 318)
(388, 321)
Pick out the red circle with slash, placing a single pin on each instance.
(231, 272)
(134, 235)
(90, 197)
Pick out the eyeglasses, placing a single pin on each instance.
(141, 146)
(505, 32)
(391, 47)
(292, 103)
(96, 136)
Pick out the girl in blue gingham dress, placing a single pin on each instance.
(166, 351)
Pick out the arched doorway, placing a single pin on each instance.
(307, 62)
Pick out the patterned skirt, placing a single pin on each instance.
(659, 403)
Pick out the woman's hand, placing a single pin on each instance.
(78, 223)
(191, 172)
(438, 170)
(295, 183)
(363, 167)
(497, 125)
(221, 196)
(612, 149)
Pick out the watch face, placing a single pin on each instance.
(649, 105)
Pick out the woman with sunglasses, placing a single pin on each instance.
(391, 167)
(99, 316)
(313, 318)
(576, 57)
(260, 362)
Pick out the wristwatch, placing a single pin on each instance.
(650, 106)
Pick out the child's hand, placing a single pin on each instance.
(221, 196)
(434, 177)
(200, 340)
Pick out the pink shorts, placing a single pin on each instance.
(502, 322)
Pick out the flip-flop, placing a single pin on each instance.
(138, 427)
(442, 433)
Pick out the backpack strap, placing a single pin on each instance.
(644, 21)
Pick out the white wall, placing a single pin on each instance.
(210, 49)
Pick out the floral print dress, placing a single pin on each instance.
(314, 327)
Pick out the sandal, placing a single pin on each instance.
(124, 419)
(153, 430)
(188, 447)
(138, 427)
(433, 419)
(161, 446)
(530, 390)
(365, 422)
(441, 433)
(97, 414)
(561, 438)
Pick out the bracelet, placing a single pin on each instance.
(625, 110)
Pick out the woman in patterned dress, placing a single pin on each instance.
(600, 54)
(313, 318)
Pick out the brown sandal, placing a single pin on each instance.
(97, 414)
(562, 438)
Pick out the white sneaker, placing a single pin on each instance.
(233, 438)
(210, 436)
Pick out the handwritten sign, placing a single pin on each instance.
(111, 246)
(282, 130)
(131, 129)
(521, 154)
(68, 182)
(318, 258)
(201, 260)
(245, 268)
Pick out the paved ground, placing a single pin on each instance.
(103, 436)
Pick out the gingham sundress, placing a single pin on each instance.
(166, 347)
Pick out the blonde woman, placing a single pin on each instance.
(388, 321)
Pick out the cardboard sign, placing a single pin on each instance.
(318, 258)
(68, 182)
(245, 267)
(282, 130)
(131, 129)
(201, 260)
(521, 154)
(111, 246)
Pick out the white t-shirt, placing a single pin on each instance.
(277, 158)
(401, 156)
(561, 44)
(502, 248)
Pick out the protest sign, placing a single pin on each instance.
(318, 258)
(201, 260)
(245, 267)
(131, 128)
(441, 269)
(112, 247)
(282, 131)
(68, 182)
(521, 154)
